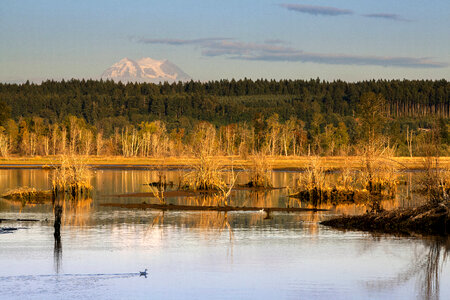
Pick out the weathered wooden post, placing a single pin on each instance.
(57, 224)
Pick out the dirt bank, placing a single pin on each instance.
(427, 219)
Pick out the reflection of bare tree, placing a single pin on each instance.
(77, 212)
(206, 221)
(259, 198)
(57, 254)
(433, 263)
(426, 267)
(67, 211)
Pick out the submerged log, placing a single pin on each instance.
(20, 220)
(427, 219)
(189, 193)
(8, 229)
(161, 184)
(176, 207)
(334, 196)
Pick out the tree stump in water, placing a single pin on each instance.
(57, 224)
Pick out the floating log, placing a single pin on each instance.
(160, 184)
(176, 207)
(334, 196)
(189, 193)
(20, 220)
(166, 194)
(7, 229)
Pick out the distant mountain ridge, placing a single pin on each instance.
(145, 70)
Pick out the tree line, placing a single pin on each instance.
(286, 117)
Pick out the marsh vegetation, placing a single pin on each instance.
(346, 146)
(431, 218)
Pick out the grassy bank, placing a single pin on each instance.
(426, 219)
(276, 162)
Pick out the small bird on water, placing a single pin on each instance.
(143, 273)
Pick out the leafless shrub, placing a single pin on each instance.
(435, 180)
(72, 176)
(260, 171)
(206, 175)
(314, 176)
(379, 171)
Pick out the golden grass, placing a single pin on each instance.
(374, 180)
(276, 162)
(19, 192)
(260, 171)
(314, 176)
(71, 176)
(435, 181)
(27, 194)
(379, 172)
(206, 175)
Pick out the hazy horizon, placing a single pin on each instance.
(330, 40)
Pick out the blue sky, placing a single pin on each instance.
(350, 40)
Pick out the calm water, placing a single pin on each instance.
(205, 254)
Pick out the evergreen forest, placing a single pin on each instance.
(285, 117)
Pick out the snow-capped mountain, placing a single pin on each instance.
(145, 70)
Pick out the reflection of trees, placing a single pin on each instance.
(205, 221)
(426, 266)
(57, 254)
(259, 198)
(68, 212)
(77, 212)
(432, 265)
(57, 250)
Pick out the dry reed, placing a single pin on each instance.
(158, 188)
(435, 181)
(260, 171)
(379, 172)
(27, 195)
(206, 175)
(72, 177)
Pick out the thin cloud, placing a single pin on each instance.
(387, 16)
(317, 10)
(242, 48)
(274, 41)
(342, 59)
(270, 51)
(175, 42)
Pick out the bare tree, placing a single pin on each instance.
(409, 138)
(99, 143)
(4, 143)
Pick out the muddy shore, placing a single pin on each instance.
(430, 219)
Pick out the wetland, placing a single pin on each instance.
(111, 235)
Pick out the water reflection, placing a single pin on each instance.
(205, 222)
(426, 266)
(108, 183)
(57, 255)
(70, 211)
(195, 247)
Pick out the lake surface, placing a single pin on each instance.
(204, 255)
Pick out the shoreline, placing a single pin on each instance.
(427, 219)
(278, 163)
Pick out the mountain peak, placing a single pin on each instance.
(145, 69)
(149, 60)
